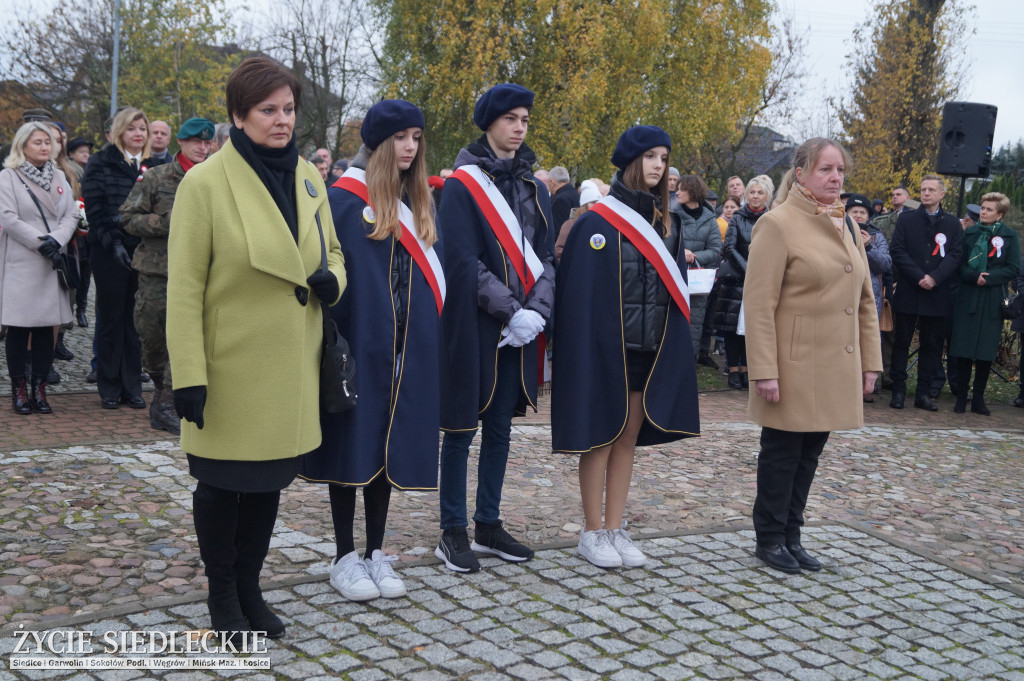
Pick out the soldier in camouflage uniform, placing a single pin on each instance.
(146, 213)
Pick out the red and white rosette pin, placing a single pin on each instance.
(940, 245)
(997, 247)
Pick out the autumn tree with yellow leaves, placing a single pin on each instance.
(693, 67)
(906, 64)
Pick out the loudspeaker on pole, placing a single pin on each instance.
(965, 140)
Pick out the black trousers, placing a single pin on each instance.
(785, 470)
(930, 336)
(118, 350)
(735, 349)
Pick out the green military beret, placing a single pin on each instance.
(201, 128)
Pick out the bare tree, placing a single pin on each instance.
(777, 103)
(326, 43)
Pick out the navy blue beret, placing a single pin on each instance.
(387, 117)
(201, 128)
(498, 100)
(635, 141)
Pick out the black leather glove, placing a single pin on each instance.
(324, 285)
(121, 256)
(189, 404)
(49, 247)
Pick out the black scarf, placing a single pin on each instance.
(276, 170)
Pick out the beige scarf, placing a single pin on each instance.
(835, 210)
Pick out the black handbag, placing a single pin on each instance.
(1013, 305)
(337, 367)
(67, 265)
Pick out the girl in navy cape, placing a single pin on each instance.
(623, 366)
(390, 315)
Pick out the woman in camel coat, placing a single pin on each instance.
(812, 341)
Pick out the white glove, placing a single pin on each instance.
(511, 338)
(526, 324)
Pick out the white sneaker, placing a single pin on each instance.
(349, 576)
(596, 547)
(627, 550)
(378, 565)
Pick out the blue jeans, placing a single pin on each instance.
(496, 425)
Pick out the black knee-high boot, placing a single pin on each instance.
(981, 371)
(259, 511)
(215, 512)
(963, 372)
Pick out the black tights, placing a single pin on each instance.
(982, 368)
(376, 499)
(18, 352)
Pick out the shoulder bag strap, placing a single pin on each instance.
(34, 200)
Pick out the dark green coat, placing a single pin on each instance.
(977, 321)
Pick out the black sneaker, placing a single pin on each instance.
(492, 538)
(454, 551)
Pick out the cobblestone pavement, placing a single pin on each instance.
(918, 516)
(701, 608)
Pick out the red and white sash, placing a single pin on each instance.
(354, 180)
(649, 243)
(503, 223)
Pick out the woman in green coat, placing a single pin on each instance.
(244, 333)
(990, 260)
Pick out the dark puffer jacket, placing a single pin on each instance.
(107, 181)
(704, 239)
(645, 299)
(734, 269)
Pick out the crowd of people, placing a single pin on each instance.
(454, 293)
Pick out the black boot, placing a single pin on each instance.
(39, 401)
(216, 515)
(1019, 401)
(20, 401)
(981, 372)
(735, 382)
(961, 402)
(60, 351)
(744, 381)
(251, 546)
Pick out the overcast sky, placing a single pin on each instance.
(994, 57)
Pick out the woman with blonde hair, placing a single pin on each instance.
(989, 263)
(732, 274)
(390, 315)
(812, 342)
(38, 218)
(620, 375)
(109, 177)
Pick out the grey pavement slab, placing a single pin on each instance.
(599, 624)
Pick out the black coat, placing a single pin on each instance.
(107, 181)
(914, 254)
(1018, 285)
(733, 270)
(563, 201)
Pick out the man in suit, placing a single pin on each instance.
(925, 250)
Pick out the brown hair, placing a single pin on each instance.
(122, 119)
(254, 80)
(633, 178)
(384, 179)
(806, 157)
(1001, 201)
(694, 186)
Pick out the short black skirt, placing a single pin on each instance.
(245, 476)
(638, 367)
